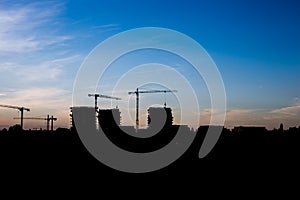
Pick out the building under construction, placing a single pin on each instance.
(109, 118)
(86, 113)
(160, 129)
(160, 117)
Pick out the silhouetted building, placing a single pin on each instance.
(204, 128)
(293, 130)
(281, 127)
(249, 129)
(109, 118)
(160, 117)
(15, 128)
(86, 116)
(71, 118)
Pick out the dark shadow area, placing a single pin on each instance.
(241, 155)
(141, 145)
(63, 148)
(244, 160)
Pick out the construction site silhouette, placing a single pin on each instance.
(242, 155)
(246, 147)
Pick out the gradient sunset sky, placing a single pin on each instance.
(255, 45)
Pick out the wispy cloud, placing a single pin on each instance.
(234, 113)
(36, 60)
(48, 70)
(285, 113)
(39, 97)
(288, 111)
(233, 116)
(107, 27)
(23, 27)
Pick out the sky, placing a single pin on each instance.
(255, 45)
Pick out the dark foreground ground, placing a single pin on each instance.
(58, 159)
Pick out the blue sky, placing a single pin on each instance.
(255, 44)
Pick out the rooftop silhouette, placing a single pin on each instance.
(243, 146)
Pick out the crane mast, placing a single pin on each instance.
(101, 96)
(137, 92)
(21, 109)
(48, 119)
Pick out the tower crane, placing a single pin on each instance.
(137, 92)
(101, 96)
(41, 118)
(21, 109)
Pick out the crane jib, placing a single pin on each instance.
(137, 92)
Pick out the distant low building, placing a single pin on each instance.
(249, 129)
(293, 130)
(204, 128)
